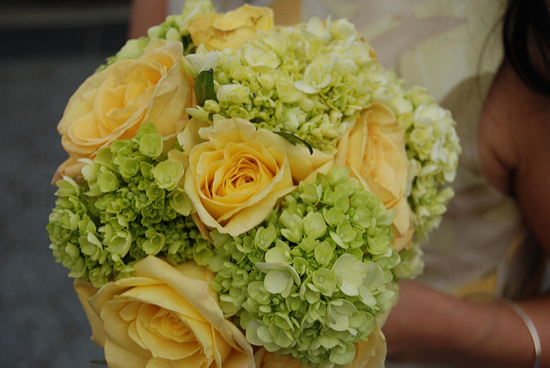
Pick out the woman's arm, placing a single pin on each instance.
(429, 326)
(515, 111)
(514, 144)
(145, 14)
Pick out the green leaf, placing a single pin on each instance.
(104, 362)
(204, 86)
(295, 140)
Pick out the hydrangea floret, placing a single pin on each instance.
(313, 277)
(433, 149)
(127, 206)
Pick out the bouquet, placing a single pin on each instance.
(243, 194)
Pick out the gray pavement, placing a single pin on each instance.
(41, 320)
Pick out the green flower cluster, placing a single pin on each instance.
(311, 80)
(412, 263)
(128, 207)
(312, 278)
(433, 150)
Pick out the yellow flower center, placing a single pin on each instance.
(241, 171)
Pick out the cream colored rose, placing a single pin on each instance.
(237, 175)
(113, 103)
(374, 149)
(368, 354)
(232, 29)
(163, 317)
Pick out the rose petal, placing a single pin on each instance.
(113, 103)
(235, 178)
(85, 291)
(163, 317)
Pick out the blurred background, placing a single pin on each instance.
(47, 49)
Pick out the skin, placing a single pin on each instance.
(145, 14)
(513, 142)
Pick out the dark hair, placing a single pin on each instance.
(526, 38)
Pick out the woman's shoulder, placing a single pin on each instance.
(514, 130)
(514, 152)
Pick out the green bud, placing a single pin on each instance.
(342, 355)
(279, 254)
(167, 174)
(180, 202)
(333, 216)
(104, 156)
(325, 281)
(323, 253)
(67, 187)
(265, 237)
(150, 145)
(314, 225)
(154, 243)
(129, 167)
(108, 182)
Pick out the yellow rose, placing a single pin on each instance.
(374, 149)
(368, 354)
(232, 29)
(237, 175)
(113, 103)
(163, 317)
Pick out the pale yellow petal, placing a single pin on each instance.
(403, 216)
(358, 138)
(81, 101)
(302, 163)
(370, 353)
(193, 290)
(242, 355)
(114, 103)
(239, 168)
(70, 167)
(121, 358)
(118, 331)
(251, 216)
(163, 317)
(171, 98)
(232, 29)
(85, 291)
(190, 137)
(403, 228)
(197, 293)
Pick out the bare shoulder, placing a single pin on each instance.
(514, 147)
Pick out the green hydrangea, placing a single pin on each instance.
(313, 277)
(412, 263)
(128, 206)
(310, 80)
(433, 150)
